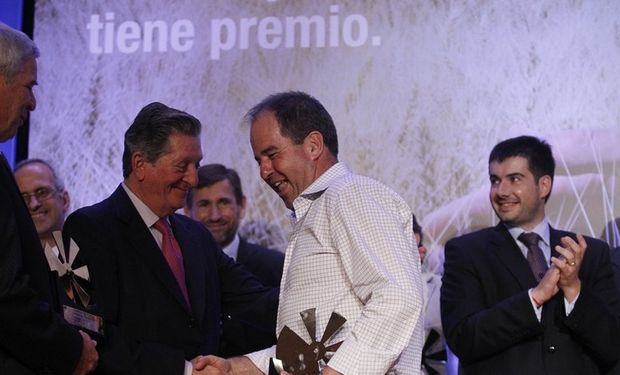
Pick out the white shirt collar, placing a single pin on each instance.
(542, 229)
(232, 249)
(147, 215)
(301, 204)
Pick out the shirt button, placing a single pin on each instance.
(551, 349)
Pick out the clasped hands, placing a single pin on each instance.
(212, 365)
(563, 274)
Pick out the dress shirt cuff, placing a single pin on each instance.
(569, 306)
(188, 368)
(261, 358)
(353, 357)
(537, 309)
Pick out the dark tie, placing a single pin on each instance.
(535, 256)
(172, 252)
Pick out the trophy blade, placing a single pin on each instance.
(335, 322)
(333, 347)
(296, 355)
(309, 319)
(289, 342)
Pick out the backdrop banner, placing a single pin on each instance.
(420, 92)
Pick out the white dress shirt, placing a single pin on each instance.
(352, 251)
(232, 249)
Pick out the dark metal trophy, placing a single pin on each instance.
(297, 357)
(77, 310)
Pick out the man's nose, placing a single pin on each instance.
(214, 213)
(32, 102)
(265, 169)
(32, 202)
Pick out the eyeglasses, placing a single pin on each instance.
(41, 194)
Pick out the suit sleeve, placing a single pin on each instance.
(30, 332)
(475, 326)
(594, 320)
(244, 297)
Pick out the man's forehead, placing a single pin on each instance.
(516, 165)
(35, 168)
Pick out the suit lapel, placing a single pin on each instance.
(141, 242)
(504, 247)
(195, 273)
(242, 252)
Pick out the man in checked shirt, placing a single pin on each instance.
(351, 250)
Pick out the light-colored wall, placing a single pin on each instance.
(418, 105)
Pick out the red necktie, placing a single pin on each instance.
(172, 252)
(535, 256)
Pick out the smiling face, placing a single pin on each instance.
(517, 198)
(286, 167)
(17, 99)
(216, 207)
(47, 212)
(163, 184)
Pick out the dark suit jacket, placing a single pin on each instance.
(264, 263)
(490, 323)
(239, 335)
(150, 328)
(31, 335)
(615, 265)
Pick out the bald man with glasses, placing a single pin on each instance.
(44, 195)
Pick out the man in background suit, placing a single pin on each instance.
(33, 339)
(45, 196)
(159, 278)
(218, 203)
(523, 297)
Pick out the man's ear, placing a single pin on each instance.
(544, 186)
(242, 205)
(314, 145)
(66, 201)
(138, 164)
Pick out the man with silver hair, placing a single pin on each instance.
(33, 338)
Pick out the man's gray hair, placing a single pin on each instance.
(58, 184)
(16, 48)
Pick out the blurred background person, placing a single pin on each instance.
(218, 202)
(45, 195)
(434, 350)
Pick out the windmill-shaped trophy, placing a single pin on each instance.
(77, 310)
(297, 357)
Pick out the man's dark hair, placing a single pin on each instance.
(150, 132)
(298, 114)
(537, 152)
(212, 173)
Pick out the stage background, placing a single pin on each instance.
(420, 91)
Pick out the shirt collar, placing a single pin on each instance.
(301, 204)
(147, 215)
(232, 249)
(542, 229)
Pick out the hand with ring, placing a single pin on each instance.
(571, 253)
